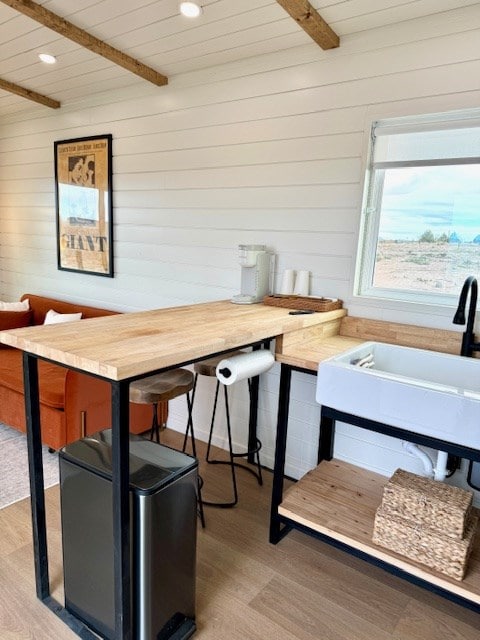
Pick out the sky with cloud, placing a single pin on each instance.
(444, 199)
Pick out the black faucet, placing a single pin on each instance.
(468, 341)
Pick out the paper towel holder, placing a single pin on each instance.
(244, 365)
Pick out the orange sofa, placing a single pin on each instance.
(72, 404)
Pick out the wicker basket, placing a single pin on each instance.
(423, 545)
(306, 303)
(428, 503)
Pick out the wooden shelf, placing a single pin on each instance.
(339, 500)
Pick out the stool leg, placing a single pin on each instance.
(189, 429)
(231, 462)
(258, 444)
(251, 452)
(212, 422)
(200, 511)
(190, 420)
(155, 429)
(230, 448)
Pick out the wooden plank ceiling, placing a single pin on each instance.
(103, 45)
(300, 10)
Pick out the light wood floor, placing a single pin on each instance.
(300, 589)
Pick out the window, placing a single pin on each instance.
(420, 233)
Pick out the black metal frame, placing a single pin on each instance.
(37, 488)
(107, 138)
(120, 489)
(280, 525)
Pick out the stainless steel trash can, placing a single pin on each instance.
(163, 536)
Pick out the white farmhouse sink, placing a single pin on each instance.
(427, 392)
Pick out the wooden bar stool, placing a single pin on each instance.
(208, 368)
(163, 387)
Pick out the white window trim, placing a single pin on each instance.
(364, 291)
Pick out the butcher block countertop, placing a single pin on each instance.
(126, 345)
(133, 344)
(308, 347)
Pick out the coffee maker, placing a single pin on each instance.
(256, 263)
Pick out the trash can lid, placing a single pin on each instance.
(152, 465)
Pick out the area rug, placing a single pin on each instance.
(14, 483)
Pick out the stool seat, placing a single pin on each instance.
(208, 367)
(161, 386)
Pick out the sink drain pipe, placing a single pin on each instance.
(439, 471)
(414, 450)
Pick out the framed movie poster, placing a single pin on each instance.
(83, 189)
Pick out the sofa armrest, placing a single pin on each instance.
(88, 407)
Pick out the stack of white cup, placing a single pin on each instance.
(296, 283)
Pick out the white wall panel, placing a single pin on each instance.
(150, 154)
(329, 220)
(26, 183)
(340, 195)
(266, 150)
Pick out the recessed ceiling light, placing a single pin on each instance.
(190, 9)
(47, 58)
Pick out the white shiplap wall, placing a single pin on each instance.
(269, 150)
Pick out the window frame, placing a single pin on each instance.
(372, 201)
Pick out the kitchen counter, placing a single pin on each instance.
(134, 344)
(131, 344)
(125, 347)
(305, 349)
(119, 349)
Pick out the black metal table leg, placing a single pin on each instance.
(252, 420)
(35, 465)
(37, 488)
(121, 510)
(253, 442)
(276, 533)
(325, 438)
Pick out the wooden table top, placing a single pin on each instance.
(132, 344)
(308, 354)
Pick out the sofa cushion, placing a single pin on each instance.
(52, 317)
(40, 305)
(23, 305)
(51, 377)
(15, 319)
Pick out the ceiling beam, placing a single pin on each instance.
(311, 22)
(68, 30)
(30, 95)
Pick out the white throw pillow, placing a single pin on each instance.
(52, 317)
(15, 306)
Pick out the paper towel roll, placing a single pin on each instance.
(288, 282)
(243, 366)
(302, 283)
